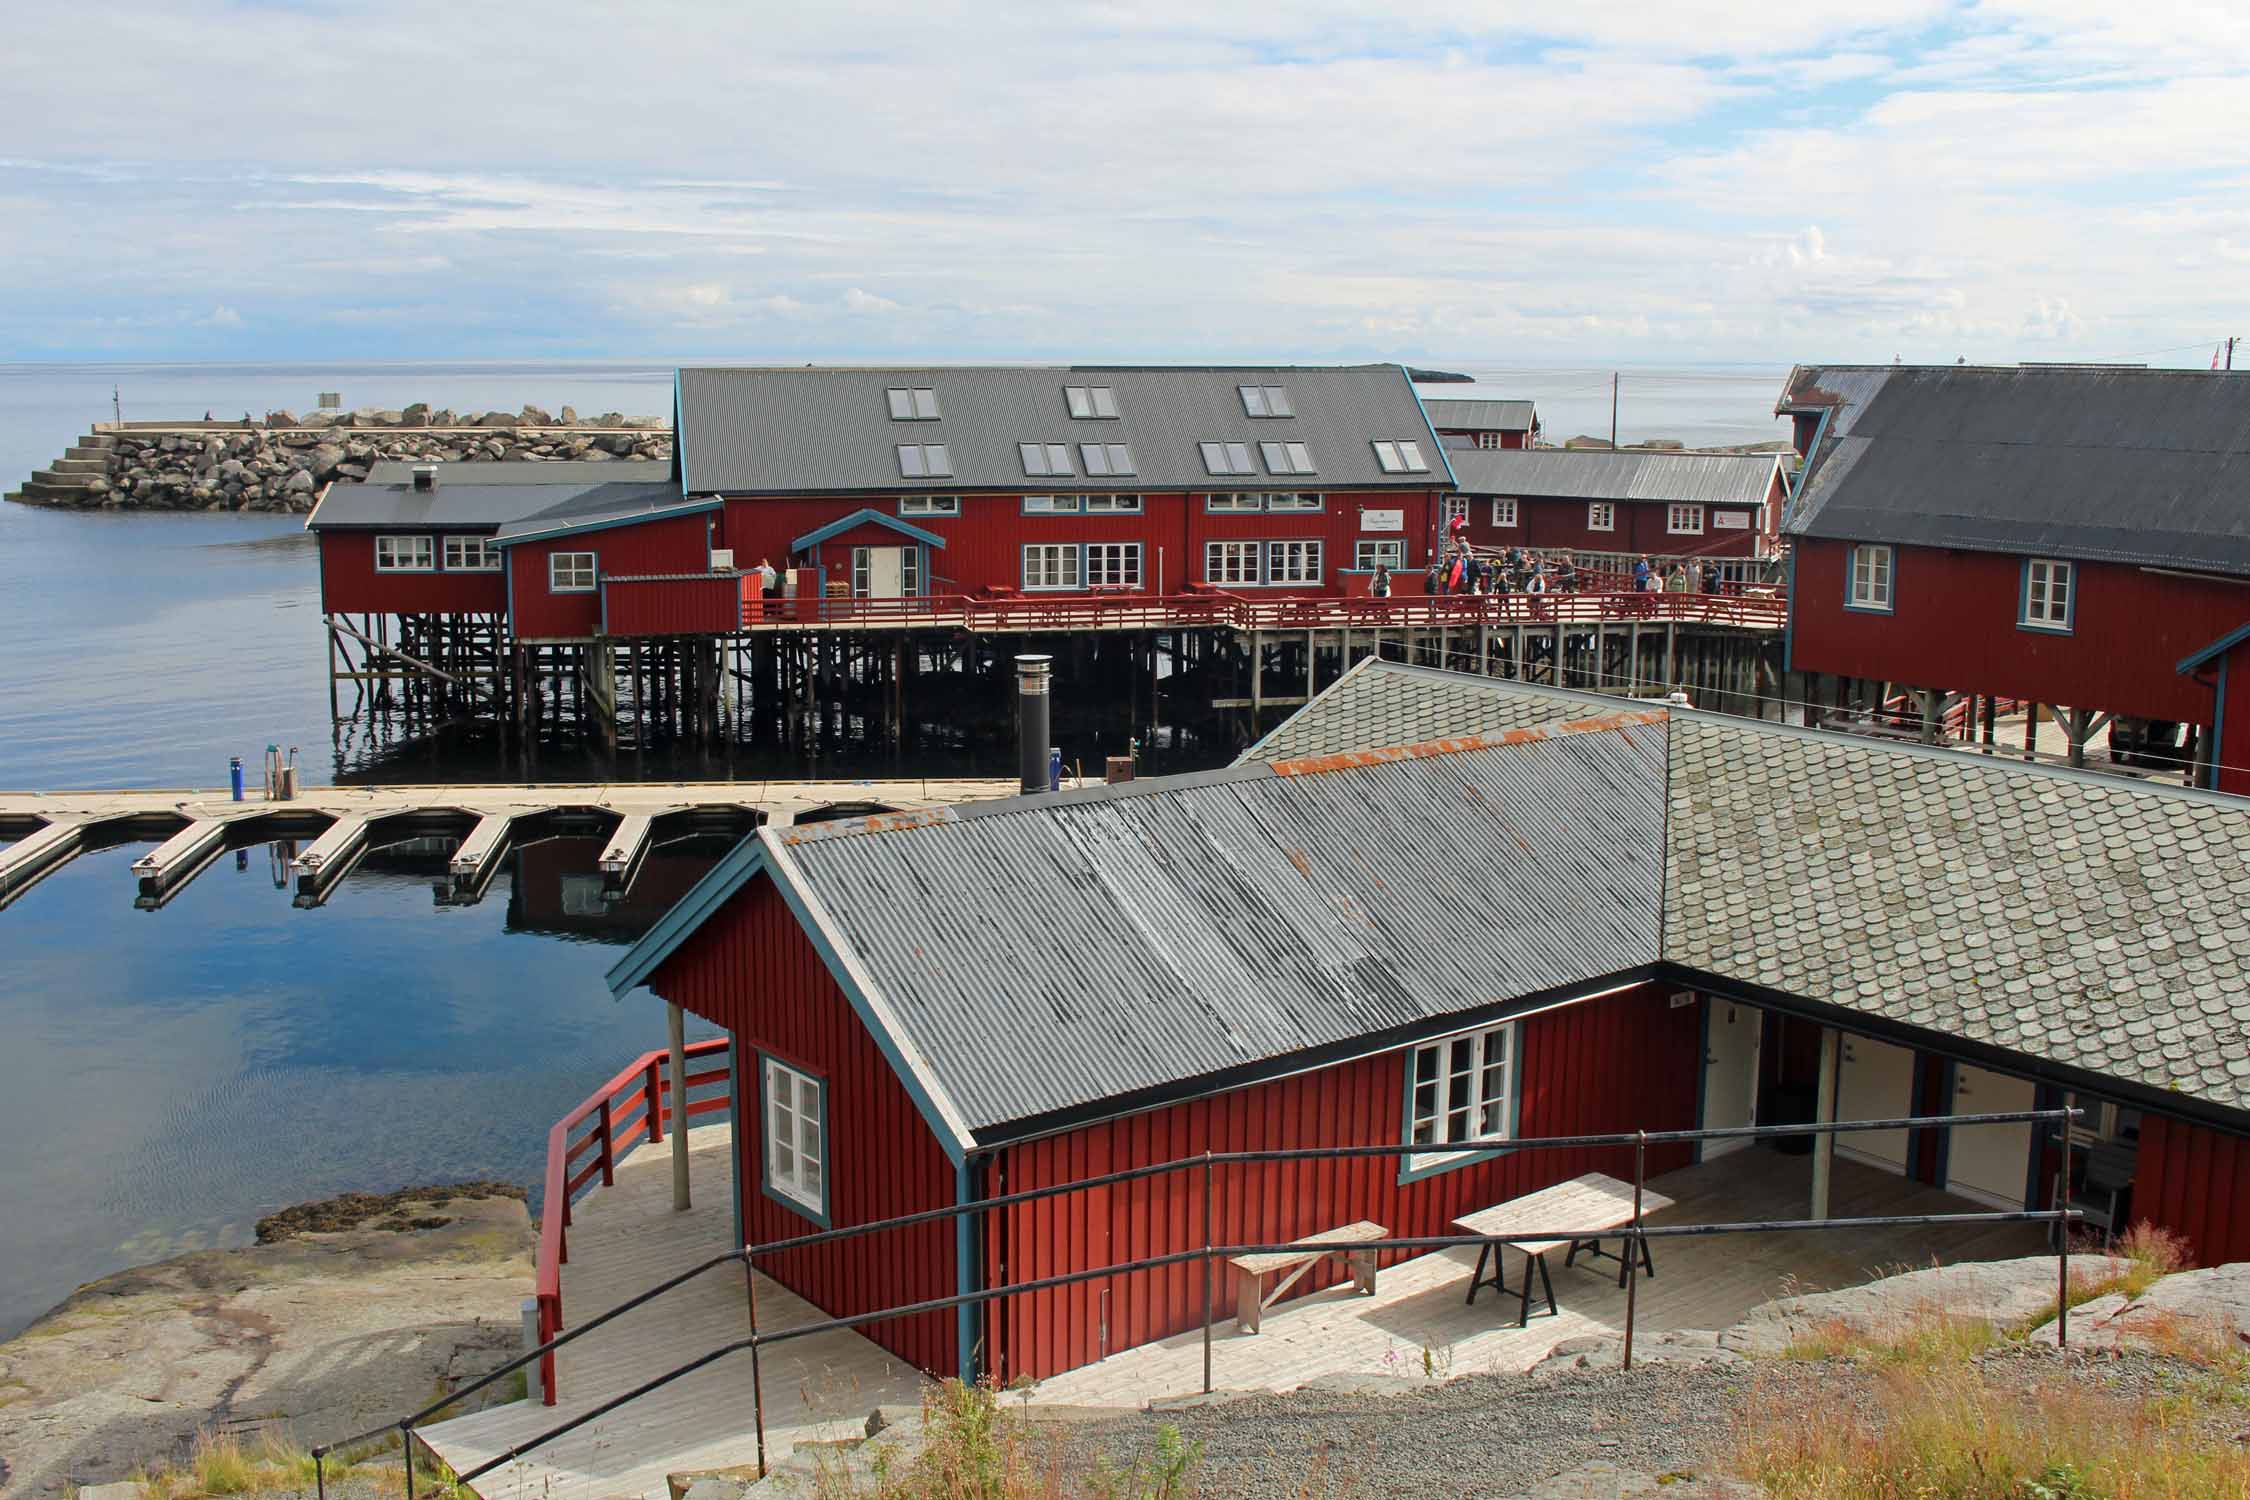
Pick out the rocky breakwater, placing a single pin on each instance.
(282, 462)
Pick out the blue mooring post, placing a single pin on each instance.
(234, 775)
(1054, 768)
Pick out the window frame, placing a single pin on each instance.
(1053, 505)
(1413, 1168)
(1866, 604)
(1286, 458)
(593, 572)
(1368, 553)
(1227, 462)
(427, 549)
(1318, 550)
(923, 467)
(1075, 551)
(1105, 503)
(1092, 398)
(1677, 510)
(913, 403)
(929, 505)
(2068, 576)
(1450, 506)
(1514, 513)
(792, 1193)
(1106, 460)
(1606, 510)
(1231, 503)
(1217, 547)
(1052, 460)
(1488, 442)
(1299, 503)
(1122, 551)
(485, 549)
(1272, 401)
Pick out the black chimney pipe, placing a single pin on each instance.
(1032, 719)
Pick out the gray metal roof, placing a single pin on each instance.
(2146, 467)
(1478, 414)
(1588, 474)
(1052, 952)
(813, 430)
(475, 496)
(598, 505)
(2065, 916)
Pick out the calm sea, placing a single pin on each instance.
(166, 1077)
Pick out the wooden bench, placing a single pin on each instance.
(1595, 1201)
(1250, 1305)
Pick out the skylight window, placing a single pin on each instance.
(1090, 400)
(1411, 455)
(1401, 458)
(1106, 458)
(917, 403)
(1266, 400)
(924, 461)
(1227, 458)
(1287, 458)
(1045, 458)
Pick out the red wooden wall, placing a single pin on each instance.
(1623, 1063)
(751, 969)
(1954, 628)
(2232, 753)
(2195, 1181)
(349, 583)
(675, 544)
(709, 604)
(1561, 524)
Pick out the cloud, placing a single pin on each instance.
(859, 301)
(221, 316)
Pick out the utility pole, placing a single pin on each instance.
(117, 405)
(1613, 405)
(2230, 352)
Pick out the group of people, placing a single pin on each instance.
(1462, 570)
(1678, 576)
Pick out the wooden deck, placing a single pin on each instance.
(626, 1239)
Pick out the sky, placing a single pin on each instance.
(1684, 181)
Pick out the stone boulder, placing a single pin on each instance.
(281, 418)
(569, 416)
(415, 415)
(534, 417)
(324, 460)
(300, 483)
(618, 443)
(443, 417)
(497, 419)
(2208, 1308)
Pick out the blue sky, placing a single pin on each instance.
(1161, 179)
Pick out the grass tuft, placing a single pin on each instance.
(1925, 1337)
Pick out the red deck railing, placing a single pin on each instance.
(628, 1109)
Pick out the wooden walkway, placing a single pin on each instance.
(626, 1238)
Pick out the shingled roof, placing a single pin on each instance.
(2063, 916)
(2146, 467)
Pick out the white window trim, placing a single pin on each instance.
(1605, 511)
(1114, 505)
(1440, 1119)
(593, 573)
(1053, 505)
(1508, 519)
(1369, 553)
(1124, 551)
(2051, 621)
(915, 404)
(1450, 506)
(1235, 547)
(1869, 599)
(787, 1175)
(1679, 511)
(1316, 549)
(489, 554)
(1292, 503)
(425, 549)
(929, 505)
(1230, 503)
(1075, 551)
(1488, 441)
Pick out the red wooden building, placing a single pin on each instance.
(2067, 536)
(1483, 422)
(931, 1009)
(1608, 510)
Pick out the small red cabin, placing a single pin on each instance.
(1483, 422)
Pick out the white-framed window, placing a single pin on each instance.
(1232, 504)
(1045, 458)
(916, 403)
(1106, 458)
(570, 572)
(1232, 562)
(796, 1111)
(1504, 513)
(1113, 505)
(2047, 586)
(1601, 515)
(471, 554)
(924, 461)
(1052, 505)
(1226, 458)
(1451, 508)
(929, 505)
(1052, 565)
(1090, 401)
(1461, 1089)
(1293, 562)
(1370, 554)
(1286, 458)
(1400, 458)
(1266, 401)
(1113, 565)
(403, 554)
(1297, 501)
(1683, 520)
(1870, 586)
(1488, 440)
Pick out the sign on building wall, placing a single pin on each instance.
(1730, 520)
(1382, 520)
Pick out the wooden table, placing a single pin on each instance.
(1593, 1203)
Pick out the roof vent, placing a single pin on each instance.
(425, 477)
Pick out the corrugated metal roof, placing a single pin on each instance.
(1051, 952)
(600, 505)
(813, 430)
(479, 496)
(480, 471)
(1586, 474)
(1479, 414)
(2146, 467)
(2064, 915)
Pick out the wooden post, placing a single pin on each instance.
(1824, 1112)
(676, 1021)
(1927, 698)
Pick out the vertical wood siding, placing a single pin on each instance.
(1623, 1063)
(2195, 1181)
(751, 969)
(1954, 628)
(675, 544)
(1561, 524)
(349, 583)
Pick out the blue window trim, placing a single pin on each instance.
(1077, 505)
(1851, 569)
(827, 1146)
(1231, 510)
(1138, 507)
(2024, 623)
(929, 515)
(1407, 1172)
(591, 588)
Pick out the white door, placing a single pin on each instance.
(1730, 1070)
(1875, 1082)
(886, 572)
(1990, 1163)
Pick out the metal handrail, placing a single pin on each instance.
(1208, 1254)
